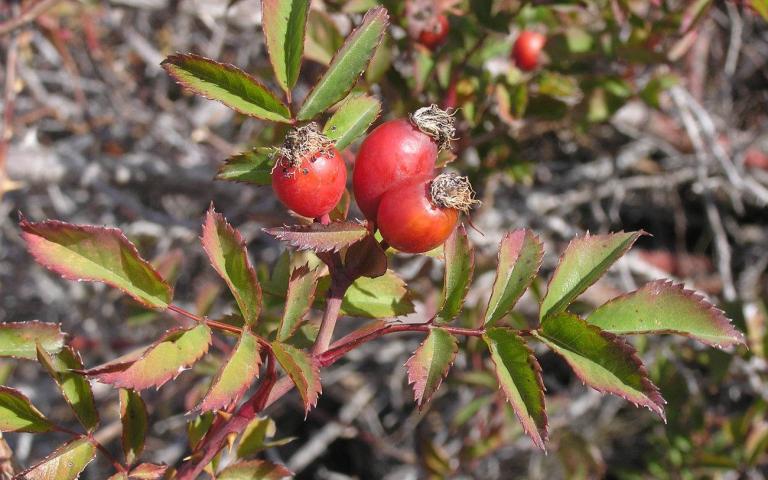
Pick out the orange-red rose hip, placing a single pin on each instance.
(527, 49)
(310, 175)
(435, 34)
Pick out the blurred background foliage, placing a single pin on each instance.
(642, 114)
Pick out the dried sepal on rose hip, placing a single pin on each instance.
(398, 150)
(309, 175)
(419, 214)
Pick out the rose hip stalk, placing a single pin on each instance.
(419, 214)
(398, 150)
(309, 176)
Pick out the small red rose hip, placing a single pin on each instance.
(397, 150)
(435, 32)
(420, 213)
(309, 176)
(527, 49)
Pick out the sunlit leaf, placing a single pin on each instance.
(74, 386)
(66, 463)
(459, 265)
(519, 375)
(227, 84)
(254, 470)
(162, 361)
(226, 250)
(19, 340)
(298, 300)
(663, 307)
(520, 254)
(147, 471)
(584, 261)
(84, 252)
(17, 414)
(352, 119)
(320, 238)
(602, 360)
(303, 370)
(430, 363)
(255, 437)
(284, 24)
(236, 375)
(133, 417)
(347, 65)
(381, 297)
(254, 167)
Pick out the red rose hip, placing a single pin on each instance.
(309, 176)
(527, 49)
(419, 214)
(435, 32)
(397, 150)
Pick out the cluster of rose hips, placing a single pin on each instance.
(394, 179)
(525, 52)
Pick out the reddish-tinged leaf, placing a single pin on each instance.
(147, 471)
(236, 375)
(19, 340)
(584, 261)
(75, 388)
(320, 238)
(84, 252)
(663, 307)
(459, 265)
(254, 470)
(17, 414)
(303, 370)
(226, 250)
(347, 65)
(366, 258)
(66, 463)
(520, 254)
(519, 376)
(602, 360)
(284, 23)
(430, 364)
(227, 84)
(301, 294)
(133, 417)
(162, 361)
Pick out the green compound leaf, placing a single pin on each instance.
(459, 265)
(602, 360)
(520, 255)
(381, 297)
(253, 166)
(430, 364)
(226, 84)
(133, 417)
(254, 470)
(161, 362)
(66, 463)
(257, 436)
(236, 375)
(74, 386)
(323, 38)
(303, 370)
(347, 65)
(19, 340)
(226, 250)
(284, 23)
(352, 119)
(301, 294)
(17, 414)
(663, 307)
(318, 237)
(584, 261)
(519, 375)
(84, 252)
